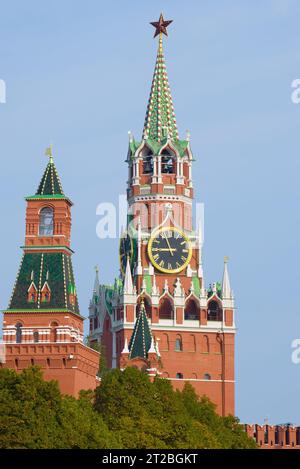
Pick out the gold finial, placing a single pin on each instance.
(226, 259)
(97, 269)
(48, 152)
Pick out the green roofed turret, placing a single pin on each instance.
(141, 339)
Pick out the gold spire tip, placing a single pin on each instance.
(49, 152)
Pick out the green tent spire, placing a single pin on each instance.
(50, 183)
(160, 121)
(141, 338)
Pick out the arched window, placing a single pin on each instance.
(178, 344)
(36, 337)
(166, 309)
(287, 436)
(219, 346)
(18, 333)
(147, 304)
(46, 222)
(214, 311)
(164, 342)
(179, 376)
(207, 376)
(192, 343)
(53, 333)
(167, 162)
(191, 311)
(205, 344)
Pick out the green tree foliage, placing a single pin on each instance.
(145, 414)
(34, 414)
(126, 411)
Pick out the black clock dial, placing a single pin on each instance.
(125, 250)
(169, 250)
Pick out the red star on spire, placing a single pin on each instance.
(161, 26)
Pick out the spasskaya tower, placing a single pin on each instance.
(159, 316)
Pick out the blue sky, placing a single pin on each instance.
(78, 74)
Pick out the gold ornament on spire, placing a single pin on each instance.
(226, 259)
(49, 153)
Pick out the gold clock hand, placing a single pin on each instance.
(170, 249)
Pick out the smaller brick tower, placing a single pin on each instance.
(42, 325)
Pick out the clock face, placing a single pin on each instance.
(125, 250)
(169, 250)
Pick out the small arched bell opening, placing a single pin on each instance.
(166, 309)
(147, 156)
(214, 312)
(207, 377)
(191, 311)
(179, 376)
(167, 162)
(46, 222)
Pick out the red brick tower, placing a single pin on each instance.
(191, 329)
(42, 325)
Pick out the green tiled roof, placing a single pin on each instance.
(56, 269)
(160, 116)
(180, 145)
(148, 282)
(141, 338)
(50, 183)
(196, 285)
(109, 290)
